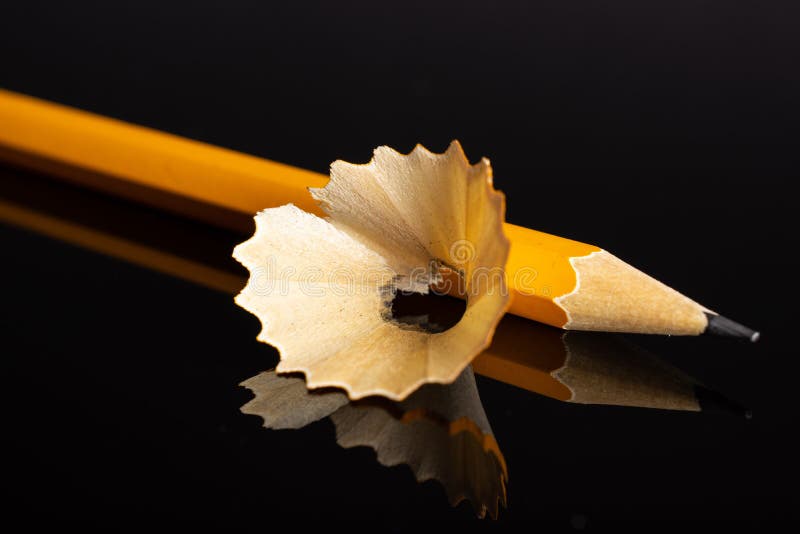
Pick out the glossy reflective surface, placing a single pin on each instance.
(669, 128)
(127, 380)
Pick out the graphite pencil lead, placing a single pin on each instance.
(722, 326)
(711, 401)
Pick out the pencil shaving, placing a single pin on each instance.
(322, 288)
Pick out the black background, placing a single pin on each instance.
(663, 131)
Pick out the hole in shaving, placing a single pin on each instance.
(429, 312)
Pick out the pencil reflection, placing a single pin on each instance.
(593, 368)
(441, 431)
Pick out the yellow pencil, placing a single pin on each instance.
(553, 280)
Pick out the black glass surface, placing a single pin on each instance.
(664, 132)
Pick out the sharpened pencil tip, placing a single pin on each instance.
(711, 401)
(722, 326)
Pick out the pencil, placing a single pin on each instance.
(557, 281)
(568, 366)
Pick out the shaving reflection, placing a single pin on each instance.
(441, 431)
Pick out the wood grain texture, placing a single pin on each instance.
(322, 288)
(612, 296)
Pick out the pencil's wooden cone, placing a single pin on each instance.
(322, 288)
